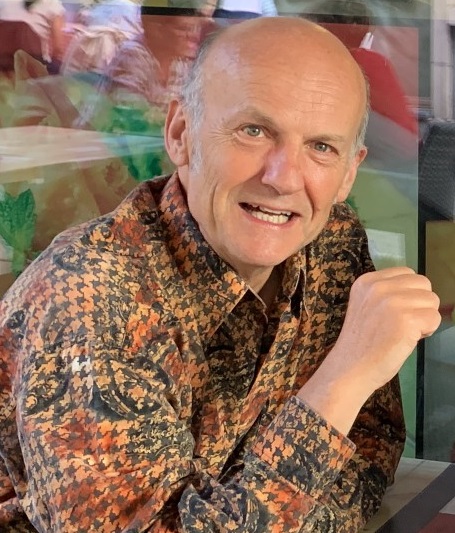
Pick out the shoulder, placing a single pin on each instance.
(85, 283)
(343, 243)
(343, 225)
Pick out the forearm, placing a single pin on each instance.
(293, 463)
(57, 37)
(303, 475)
(379, 435)
(332, 394)
(105, 483)
(106, 450)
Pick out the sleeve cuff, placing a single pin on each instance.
(303, 448)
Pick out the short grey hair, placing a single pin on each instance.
(359, 142)
(191, 96)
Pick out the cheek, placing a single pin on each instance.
(322, 191)
(325, 184)
(218, 170)
(199, 192)
(243, 170)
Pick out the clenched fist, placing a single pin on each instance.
(389, 311)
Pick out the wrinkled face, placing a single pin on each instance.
(276, 151)
(179, 36)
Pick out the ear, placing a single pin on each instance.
(350, 176)
(176, 134)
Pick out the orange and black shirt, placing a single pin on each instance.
(144, 387)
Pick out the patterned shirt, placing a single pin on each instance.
(144, 387)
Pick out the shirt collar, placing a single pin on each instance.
(215, 288)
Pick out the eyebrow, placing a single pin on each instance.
(258, 116)
(331, 138)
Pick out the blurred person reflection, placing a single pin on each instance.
(123, 15)
(46, 18)
(98, 33)
(154, 66)
(392, 136)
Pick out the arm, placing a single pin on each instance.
(388, 312)
(101, 461)
(379, 435)
(351, 490)
(107, 451)
(57, 37)
(106, 437)
(378, 332)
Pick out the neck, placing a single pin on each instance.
(270, 287)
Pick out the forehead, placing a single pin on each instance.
(297, 85)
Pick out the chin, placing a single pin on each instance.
(267, 260)
(273, 257)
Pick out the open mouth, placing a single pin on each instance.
(267, 215)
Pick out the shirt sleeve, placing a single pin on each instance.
(103, 441)
(105, 450)
(302, 475)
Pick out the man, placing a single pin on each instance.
(180, 364)
(154, 66)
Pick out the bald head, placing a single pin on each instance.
(282, 101)
(282, 43)
(259, 34)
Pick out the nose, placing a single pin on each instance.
(284, 171)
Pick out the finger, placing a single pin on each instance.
(432, 325)
(391, 272)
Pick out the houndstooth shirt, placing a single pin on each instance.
(143, 386)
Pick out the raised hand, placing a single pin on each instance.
(389, 311)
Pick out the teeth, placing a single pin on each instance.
(269, 215)
(271, 211)
(274, 219)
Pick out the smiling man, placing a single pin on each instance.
(217, 354)
(277, 148)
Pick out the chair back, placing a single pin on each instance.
(17, 35)
(437, 171)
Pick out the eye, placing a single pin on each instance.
(322, 147)
(253, 131)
